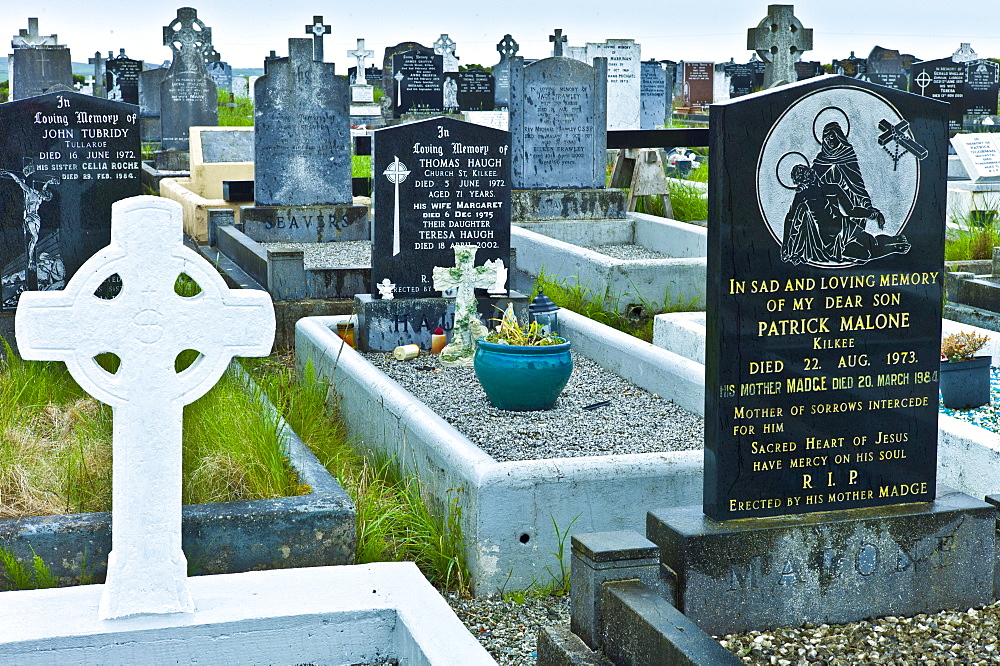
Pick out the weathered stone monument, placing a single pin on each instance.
(889, 67)
(623, 57)
(442, 183)
(220, 70)
(558, 128)
(445, 47)
(779, 39)
(99, 74)
(38, 63)
(655, 96)
(507, 48)
(65, 159)
(318, 29)
(364, 111)
(146, 325)
(302, 190)
(188, 95)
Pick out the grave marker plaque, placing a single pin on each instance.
(475, 90)
(970, 88)
(419, 83)
(624, 83)
(980, 155)
(65, 158)
(741, 79)
(122, 78)
(557, 122)
(824, 304)
(653, 99)
(699, 79)
(887, 67)
(442, 182)
(388, 81)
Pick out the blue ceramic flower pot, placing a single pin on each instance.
(966, 384)
(520, 378)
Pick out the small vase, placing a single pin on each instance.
(966, 384)
(523, 378)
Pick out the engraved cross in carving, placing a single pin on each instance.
(188, 38)
(558, 39)
(146, 325)
(317, 29)
(779, 39)
(507, 47)
(361, 54)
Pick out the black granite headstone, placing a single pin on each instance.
(188, 95)
(741, 79)
(475, 90)
(440, 182)
(122, 78)
(418, 82)
(969, 87)
(981, 88)
(388, 84)
(808, 69)
(824, 299)
(64, 159)
(887, 67)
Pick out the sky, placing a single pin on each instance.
(245, 31)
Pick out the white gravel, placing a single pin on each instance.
(635, 421)
(509, 631)
(628, 251)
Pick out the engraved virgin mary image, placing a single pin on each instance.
(837, 179)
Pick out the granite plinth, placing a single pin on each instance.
(567, 204)
(831, 567)
(384, 325)
(172, 160)
(306, 224)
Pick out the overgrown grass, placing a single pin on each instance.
(395, 522)
(361, 166)
(688, 201)
(240, 115)
(55, 445)
(634, 318)
(972, 240)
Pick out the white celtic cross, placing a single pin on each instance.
(146, 325)
(396, 172)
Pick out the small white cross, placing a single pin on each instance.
(396, 172)
(361, 54)
(146, 325)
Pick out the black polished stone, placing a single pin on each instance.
(969, 87)
(64, 160)
(121, 76)
(455, 191)
(823, 330)
(237, 190)
(420, 88)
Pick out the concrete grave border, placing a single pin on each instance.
(329, 615)
(509, 508)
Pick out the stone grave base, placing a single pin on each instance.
(828, 567)
(324, 615)
(575, 204)
(383, 325)
(306, 224)
(172, 160)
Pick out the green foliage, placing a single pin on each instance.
(377, 94)
(4, 91)
(361, 166)
(558, 584)
(394, 521)
(635, 319)
(235, 111)
(20, 577)
(148, 148)
(973, 239)
(688, 201)
(510, 332)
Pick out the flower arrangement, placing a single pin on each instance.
(962, 346)
(510, 332)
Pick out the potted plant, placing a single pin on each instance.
(522, 368)
(965, 377)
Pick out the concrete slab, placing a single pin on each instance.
(508, 508)
(327, 615)
(557, 248)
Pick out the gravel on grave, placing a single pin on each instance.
(509, 631)
(635, 421)
(628, 251)
(338, 254)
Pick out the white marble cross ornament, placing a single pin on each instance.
(467, 277)
(146, 325)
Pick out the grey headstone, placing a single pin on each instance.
(445, 47)
(558, 123)
(241, 86)
(227, 146)
(653, 99)
(507, 48)
(222, 73)
(188, 95)
(779, 39)
(302, 120)
(38, 63)
(623, 79)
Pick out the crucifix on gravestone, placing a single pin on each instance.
(98, 62)
(465, 277)
(558, 39)
(317, 29)
(361, 54)
(507, 47)
(779, 39)
(146, 325)
(30, 38)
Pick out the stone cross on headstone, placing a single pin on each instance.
(507, 47)
(98, 62)
(317, 29)
(445, 47)
(30, 38)
(558, 39)
(188, 38)
(465, 277)
(361, 54)
(146, 325)
(396, 172)
(779, 39)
